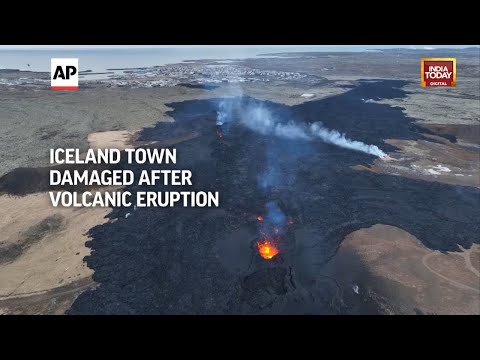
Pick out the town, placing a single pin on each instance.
(187, 73)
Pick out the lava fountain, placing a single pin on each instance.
(272, 226)
(267, 249)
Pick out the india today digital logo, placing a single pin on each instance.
(438, 72)
(64, 74)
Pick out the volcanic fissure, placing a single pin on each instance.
(289, 197)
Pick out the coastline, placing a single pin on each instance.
(112, 112)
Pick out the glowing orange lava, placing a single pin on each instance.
(260, 218)
(267, 249)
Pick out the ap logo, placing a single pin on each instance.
(64, 74)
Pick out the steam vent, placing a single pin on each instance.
(311, 182)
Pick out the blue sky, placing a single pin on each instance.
(314, 47)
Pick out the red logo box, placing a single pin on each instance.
(438, 72)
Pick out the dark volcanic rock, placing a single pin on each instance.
(168, 260)
(200, 86)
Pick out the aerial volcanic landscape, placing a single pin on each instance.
(315, 183)
(289, 197)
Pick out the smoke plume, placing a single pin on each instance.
(275, 216)
(225, 111)
(228, 106)
(334, 137)
(261, 120)
(275, 221)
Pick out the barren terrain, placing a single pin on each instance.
(369, 235)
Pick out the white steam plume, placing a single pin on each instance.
(291, 131)
(259, 119)
(334, 137)
(229, 103)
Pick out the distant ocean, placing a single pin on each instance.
(99, 60)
